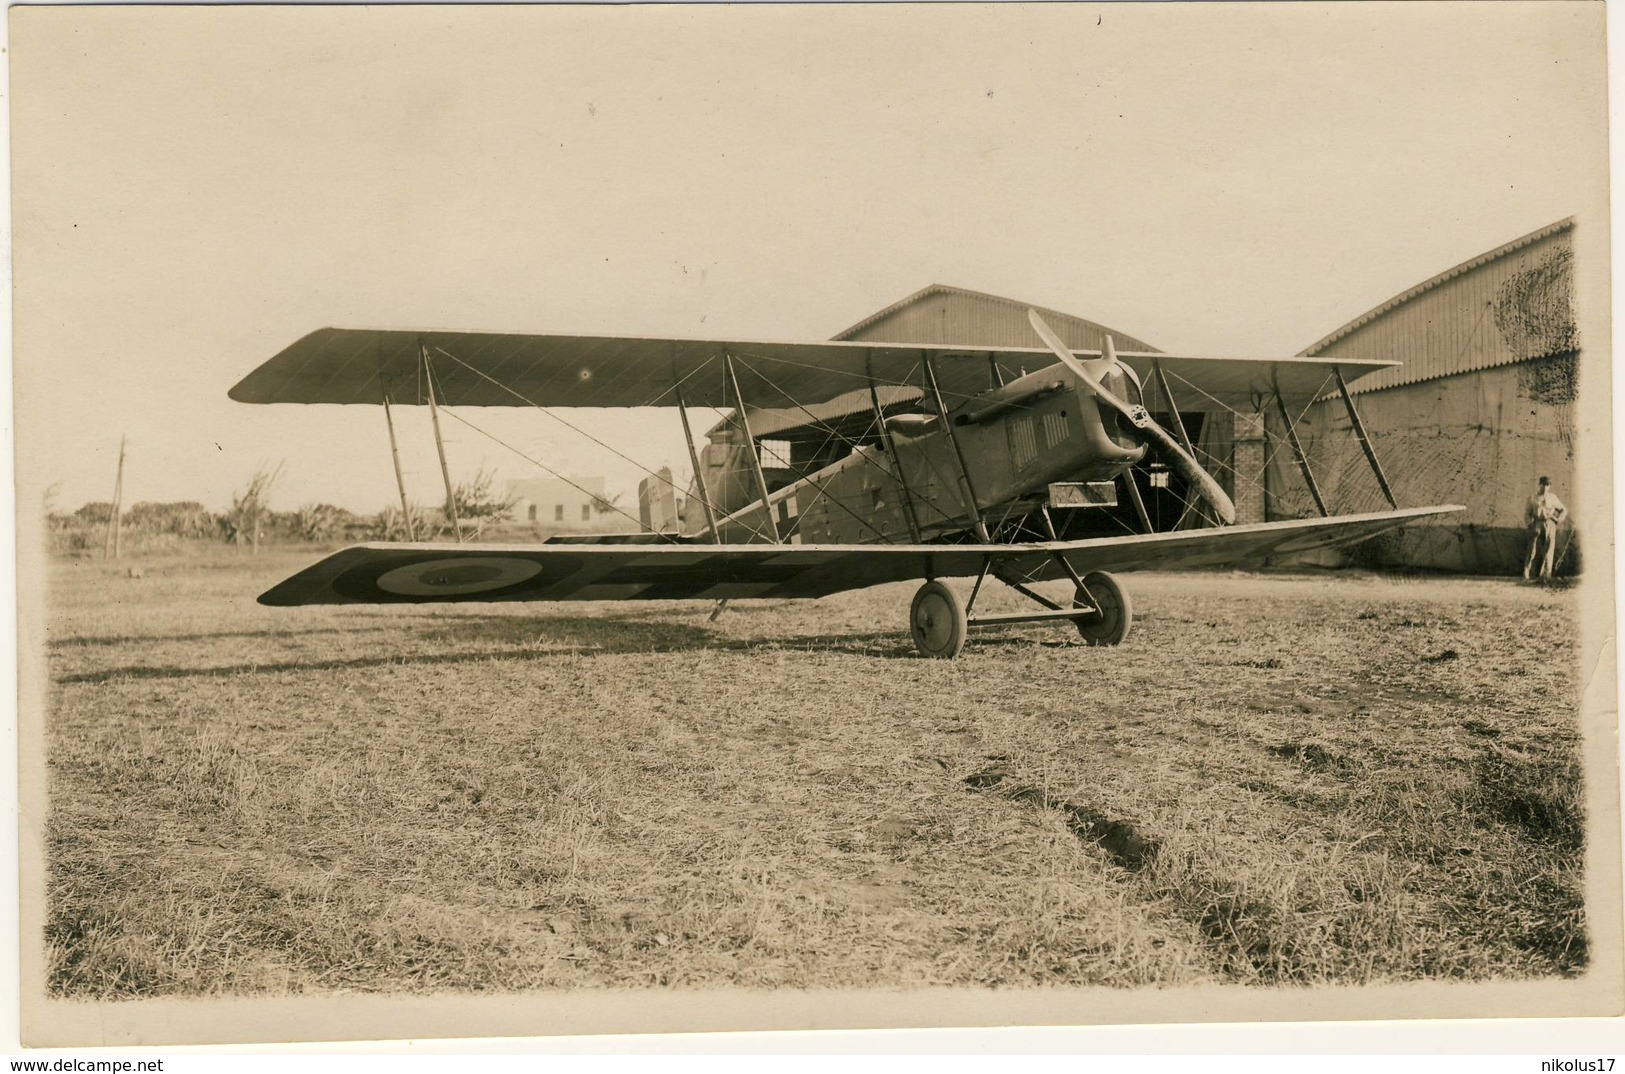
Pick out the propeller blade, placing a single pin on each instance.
(1070, 360)
(1181, 463)
(1179, 460)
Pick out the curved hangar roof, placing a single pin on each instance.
(1509, 304)
(939, 313)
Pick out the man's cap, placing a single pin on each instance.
(1545, 481)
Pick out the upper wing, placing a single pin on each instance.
(345, 365)
(392, 574)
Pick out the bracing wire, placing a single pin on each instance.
(1187, 503)
(1275, 448)
(831, 435)
(621, 454)
(537, 463)
(577, 429)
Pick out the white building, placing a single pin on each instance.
(556, 504)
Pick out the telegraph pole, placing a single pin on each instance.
(114, 546)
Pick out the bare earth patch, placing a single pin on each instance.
(1281, 779)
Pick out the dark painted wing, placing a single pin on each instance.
(421, 574)
(348, 365)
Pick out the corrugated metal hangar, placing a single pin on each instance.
(1480, 409)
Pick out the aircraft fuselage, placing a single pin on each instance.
(1014, 440)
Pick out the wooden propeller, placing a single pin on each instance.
(1179, 460)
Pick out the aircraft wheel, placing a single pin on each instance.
(1110, 626)
(937, 621)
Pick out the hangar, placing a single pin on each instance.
(1480, 409)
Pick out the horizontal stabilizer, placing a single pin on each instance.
(431, 573)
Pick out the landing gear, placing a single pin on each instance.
(1101, 610)
(1113, 610)
(937, 621)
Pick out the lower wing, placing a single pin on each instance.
(435, 573)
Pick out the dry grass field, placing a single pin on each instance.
(1281, 779)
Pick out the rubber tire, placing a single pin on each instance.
(1111, 626)
(936, 619)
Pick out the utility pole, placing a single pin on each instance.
(114, 546)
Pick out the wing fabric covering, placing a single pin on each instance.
(434, 574)
(347, 365)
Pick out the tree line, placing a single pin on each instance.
(250, 521)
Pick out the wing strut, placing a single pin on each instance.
(1365, 442)
(699, 478)
(1173, 409)
(755, 458)
(1297, 452)
(1161, 378)
(694, 460)
(959, 456)
(891, 453)
(400, 479)
(1135, 499)
(440, 443)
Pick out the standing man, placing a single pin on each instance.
(1542, 514)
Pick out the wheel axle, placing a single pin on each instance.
(1101, 611)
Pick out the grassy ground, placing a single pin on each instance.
(1280, 779)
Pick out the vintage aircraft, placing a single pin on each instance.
(907, 462)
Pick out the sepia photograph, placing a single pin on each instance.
(550, 519)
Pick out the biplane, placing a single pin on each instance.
(906, 462)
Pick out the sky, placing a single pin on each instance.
(195, 188)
